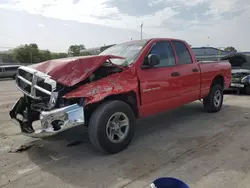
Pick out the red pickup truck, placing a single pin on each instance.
(107, 92)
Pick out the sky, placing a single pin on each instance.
(56, 24)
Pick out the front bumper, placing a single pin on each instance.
(52, 122)
(237, 85)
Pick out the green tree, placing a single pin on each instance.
(85, 53)
(45, 55)
(58, 55)
(28, 53)
(7, 57)
(75, 50)
(62, 55)
(230, 49)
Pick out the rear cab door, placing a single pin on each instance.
(189, 69)
(10, 71)
(159, 85)
(2, 72)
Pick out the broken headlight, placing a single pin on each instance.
(246, 79)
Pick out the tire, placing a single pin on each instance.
(98, 126)
(209, 103)
(14, 77)
(247, 90)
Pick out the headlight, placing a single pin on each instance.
(246, 79)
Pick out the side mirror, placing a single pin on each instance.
(151, 61)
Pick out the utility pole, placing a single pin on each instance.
(30, 57)
(141, 29)
(219, 52)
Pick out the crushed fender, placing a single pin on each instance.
(111, 85)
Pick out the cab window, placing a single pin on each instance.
(164, 50)
(182, 53)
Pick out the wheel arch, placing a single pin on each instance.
(219, 79)
(127, 97)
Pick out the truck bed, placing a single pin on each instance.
(209, 69)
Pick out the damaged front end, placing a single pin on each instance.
(41, 103)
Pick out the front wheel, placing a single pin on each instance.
(213, 102)
(111, 126)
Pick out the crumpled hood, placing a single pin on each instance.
(236, 59)
(70, 71)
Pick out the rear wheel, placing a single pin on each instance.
(214, 101)
(111, 126)
(247, 90)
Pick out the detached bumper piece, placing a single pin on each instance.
(52, 122)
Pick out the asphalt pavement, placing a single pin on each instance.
(204, 150)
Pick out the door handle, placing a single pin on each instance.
(175, 74)
(195, 70)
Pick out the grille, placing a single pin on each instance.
(35, 84)
(237, 77)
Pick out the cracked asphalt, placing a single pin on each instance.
(204, 150)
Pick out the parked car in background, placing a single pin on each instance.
(240, 72)
(107, 92)
(8, 71)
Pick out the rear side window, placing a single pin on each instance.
(182, 53)
(164, 50)
(11, 68)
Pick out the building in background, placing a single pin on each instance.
(209, 53)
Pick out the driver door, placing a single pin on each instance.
(159, 85)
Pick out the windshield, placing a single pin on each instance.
(128, 50)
